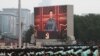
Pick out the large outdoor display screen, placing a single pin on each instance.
(50, 21)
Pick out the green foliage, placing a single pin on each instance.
(28, 34)
(87, 27)
(0, 32)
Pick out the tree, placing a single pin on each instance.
(28, 34)
(0, 32)
(87, 27)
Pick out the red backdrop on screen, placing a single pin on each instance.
(41, 15)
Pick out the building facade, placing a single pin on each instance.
(25, 18)
(7, 23)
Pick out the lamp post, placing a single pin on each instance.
(19, 19)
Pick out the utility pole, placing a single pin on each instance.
(19, 19)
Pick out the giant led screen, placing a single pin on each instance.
(50, 21)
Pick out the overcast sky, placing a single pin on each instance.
(80, 6)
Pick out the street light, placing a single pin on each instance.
(19, 19)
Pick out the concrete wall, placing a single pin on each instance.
(70, 22)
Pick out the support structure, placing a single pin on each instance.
(19, 19)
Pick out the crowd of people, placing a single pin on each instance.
(52, 51)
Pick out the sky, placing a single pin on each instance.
(80, 6)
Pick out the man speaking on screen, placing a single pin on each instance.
(51, 23)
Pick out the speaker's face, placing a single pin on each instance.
(51, 14)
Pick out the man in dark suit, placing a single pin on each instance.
(51, 26)
(51, 23)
